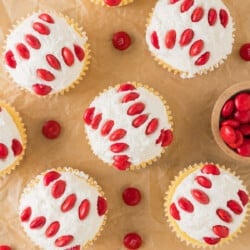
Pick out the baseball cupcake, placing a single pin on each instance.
(46, 53)
(62, 209)
(112, 3)
(12, 138)
(206, 205)
(190, 37)
(128, 126)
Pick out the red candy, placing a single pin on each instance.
(5, 247)
(244, 149)
(227, 109)
(155, 40)
(186, 37)
(224, 215)
(228, 134)
(221, 231)
(231, 122)
(121, 40)
(139, 120)
(3, 151)
(23, 51)
(200, 196)
(112, 2)
(126, 87)
(203, 59)
(136, 108)
(132, 241)
(170, 39)
(41, 28)
(210, 169)
(10, 59)
(165, 138)
(130, 97)
(245, 52)
(68, 203)
(84, 209)
(53, 61)
(186, 5)
(52, 229)
(38, 222)
(174, 212)
(41, 89)
(238, 141)
(152, 126)
(131, 196)
(50, 177)
(51, 129)
(79, 52)
(242, 102)
(197, 14)
(243, 197)
(212, 16)
(102, 206)
(117, 134)
(211, 241)
(26, 213)
(121, 162)
(68, 56)
(186, 205)
(118, 147)
(223, 18)
(58, 189)
(33, 41)
(88, 115)
(46, 17)
(16, 147)
(64, 240)
(234, 206)
(45, 75)
(203, 181)
(196, 48)
(107, 127)
(96, 121)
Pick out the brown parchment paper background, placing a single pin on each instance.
(191, 102)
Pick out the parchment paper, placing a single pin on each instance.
(191, 102)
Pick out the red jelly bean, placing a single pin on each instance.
(16, 147)
(41, 89)
(228, 134)
(227, 109)
(242, 102)
(239, 140)
(245, 52)
(132, 241)
(231, 122)
(221, 231)
(5, 247)
(211, 241)
(243, 197)
(154, 40)
(245, 129)
(170, 39)
(102, 206)
(51, 129)
(174, 211)
(112, 2)
(244, 149)
(3, 151)
(121, 40)
(10, 59)
(46, 17)
(131, 196)
(33, 41)
(242, 116)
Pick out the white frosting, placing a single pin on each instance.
(217, 39)
(8, 132)
(200, 222)
(61, 35)
(43, 204)
(142, 148)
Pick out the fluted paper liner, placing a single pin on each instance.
(170, 120)
(174, 226)
(184, 74)
(22, 131)
(80, 174)
(123, 3)
(85, 47)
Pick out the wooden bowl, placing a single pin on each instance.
(216, 115)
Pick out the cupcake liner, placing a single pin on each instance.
(81, 174)
(170, 120)
(184, 74)
(20, 126)
(102, 3)
(184, 237)
(86, 48)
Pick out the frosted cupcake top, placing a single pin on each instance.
(128, 125)
(62, 209)
(209, 204)
(11, 141)
(45, 54)
(190, 36)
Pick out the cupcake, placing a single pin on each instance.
(190, 37)
(62, 209)
(112, 3)
(206, 205)
(12, 139)
(46, 53)
(128, 126)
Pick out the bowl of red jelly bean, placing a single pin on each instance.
(231, 121)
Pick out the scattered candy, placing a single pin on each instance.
(51, 129)
(132, 241)
(245, 51)
(121, 40)
(112, 2)
(131, 196)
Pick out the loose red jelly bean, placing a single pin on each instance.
(244, 149)
(51, 129)
(131, 196)
(228, 134)
(5, 247)
(245, 52)
(132, 241)
(245, 129)
(121, 40)
(242, 102)
(227, 109)
(112, 2)
(3, 151)
(231, 122)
